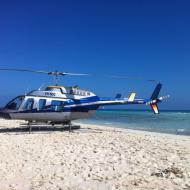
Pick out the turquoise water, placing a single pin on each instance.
(173, 122)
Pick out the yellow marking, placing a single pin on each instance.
(132, 97)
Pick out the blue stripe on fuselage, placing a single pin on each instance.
(82, 101)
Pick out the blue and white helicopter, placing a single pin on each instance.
(61, 104)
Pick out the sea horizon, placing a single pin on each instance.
(147, 110)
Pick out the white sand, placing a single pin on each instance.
(95, 158)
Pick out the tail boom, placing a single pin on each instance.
(152, 101)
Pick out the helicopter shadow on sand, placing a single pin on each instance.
(41, 129)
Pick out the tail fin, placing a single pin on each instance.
(156, 92)
(154, 98)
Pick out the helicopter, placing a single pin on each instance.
(60, 104)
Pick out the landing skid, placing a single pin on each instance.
(53, 125)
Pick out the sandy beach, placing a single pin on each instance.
(94, 158)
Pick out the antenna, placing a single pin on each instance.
(27, 89)
(41, 86)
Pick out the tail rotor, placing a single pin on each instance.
(154, 100)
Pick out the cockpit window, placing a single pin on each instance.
(15, 103)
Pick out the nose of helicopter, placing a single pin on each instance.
(4, 114)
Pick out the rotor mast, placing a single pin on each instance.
(56, 75)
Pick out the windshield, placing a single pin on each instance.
(15, 103)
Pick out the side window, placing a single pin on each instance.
(29, 104)
(42, 104)
(57, 105)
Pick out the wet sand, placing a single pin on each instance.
(94, 158)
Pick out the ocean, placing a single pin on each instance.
(172, 122)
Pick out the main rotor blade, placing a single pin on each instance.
(25, 70)
(129, 78)
(76, 74)
(57, 73)
(54, 73)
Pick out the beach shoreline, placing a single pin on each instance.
(131, 130)
(94, 157)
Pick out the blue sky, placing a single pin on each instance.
(146, 38)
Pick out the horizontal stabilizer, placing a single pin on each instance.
(132, 97)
